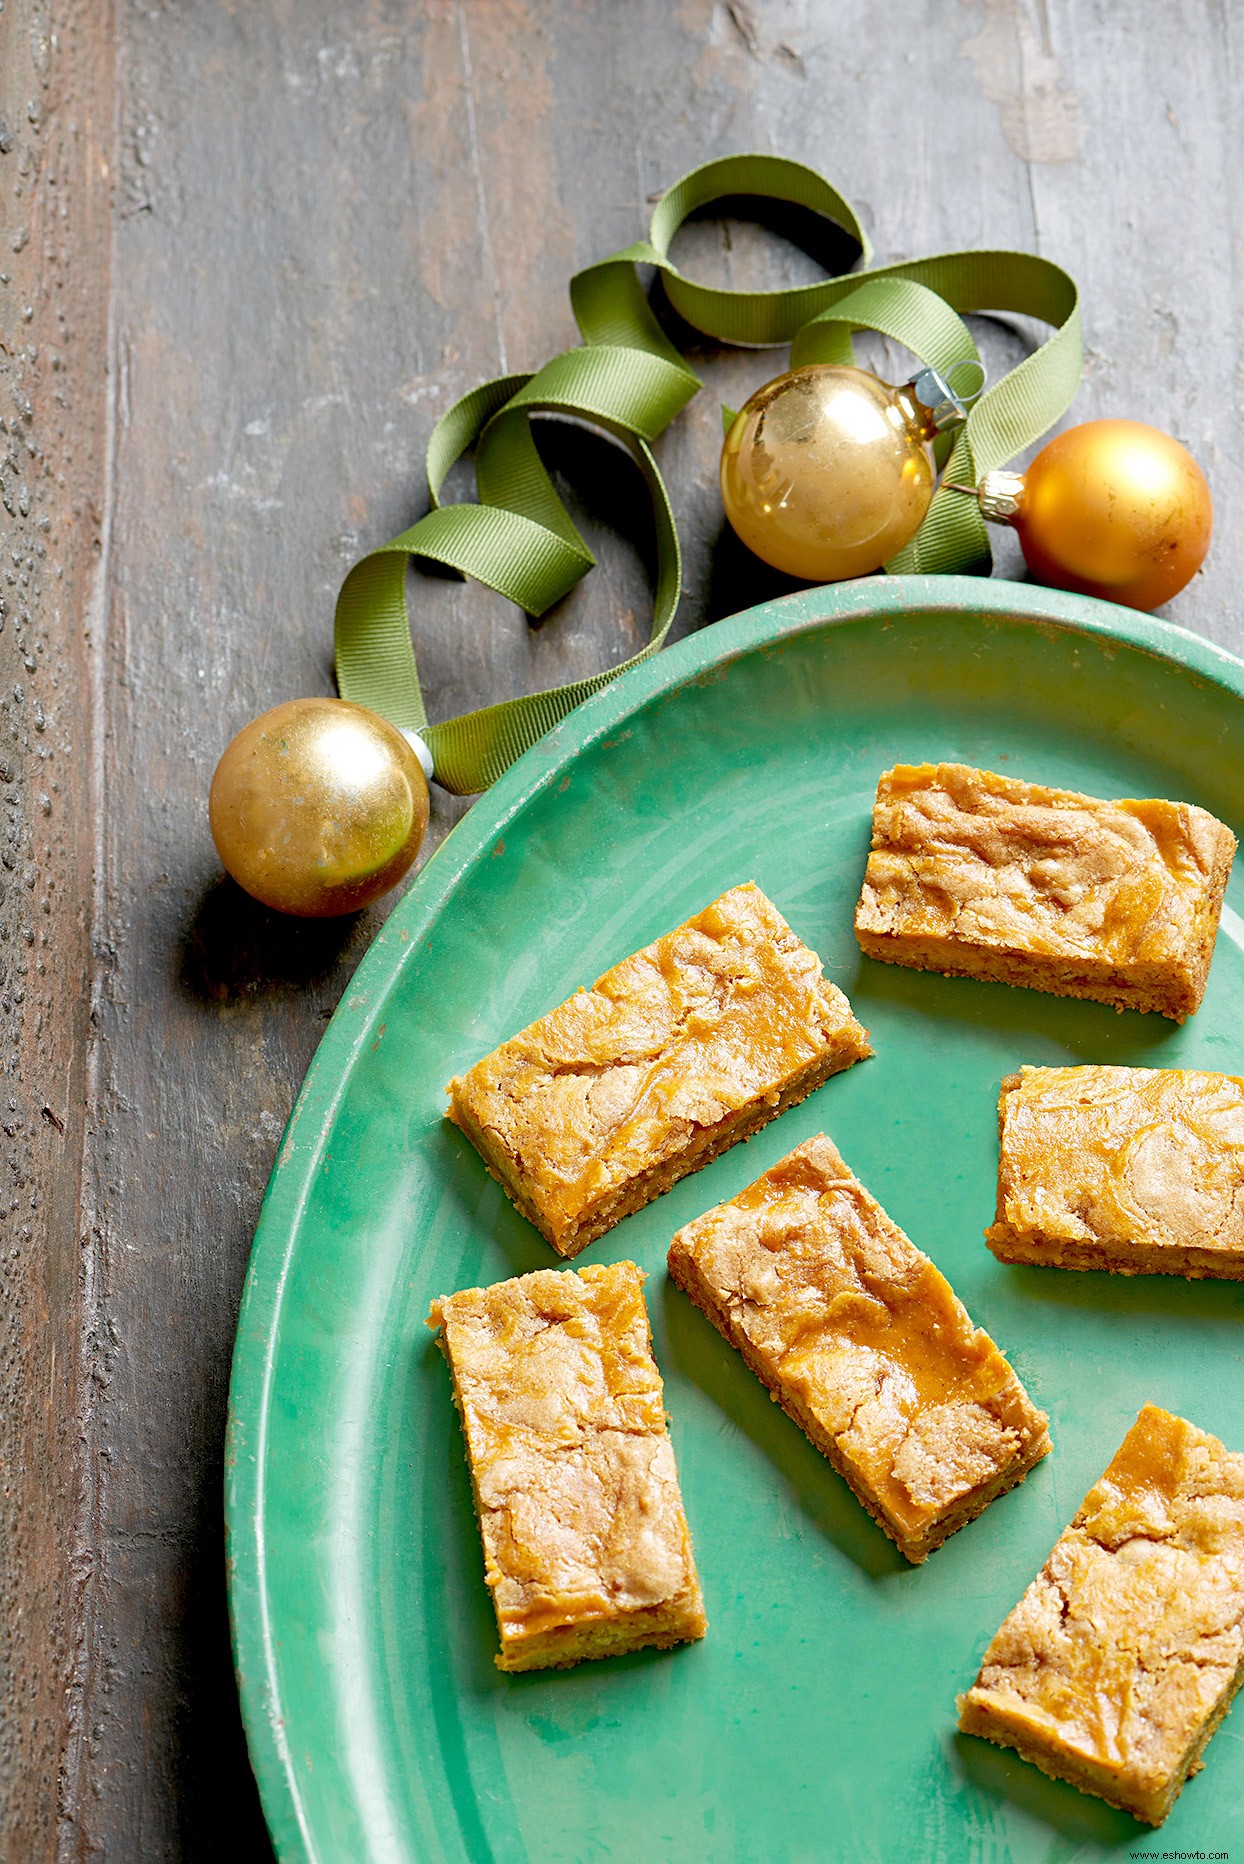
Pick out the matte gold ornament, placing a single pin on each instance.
(1110, 508)
(318, 807)
(826, 472)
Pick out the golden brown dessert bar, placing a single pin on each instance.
(862, 1340)
(676, 1053)
(977, 875)
(1122, 1657)
(1136, 1170)
(586, 1548)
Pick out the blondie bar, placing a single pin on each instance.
(1122, 1657)
(586, 1548)
(977, 875)
(676, 1053)
(1137, 1170)
(862, 1340)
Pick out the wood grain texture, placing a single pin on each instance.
(55, 136)
(264, 247)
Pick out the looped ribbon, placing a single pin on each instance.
(628, 378)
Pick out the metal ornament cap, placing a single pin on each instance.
(419, 746)
(947, 399)
(318, 807)
(1001, 495)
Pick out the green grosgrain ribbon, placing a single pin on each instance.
(628, 378)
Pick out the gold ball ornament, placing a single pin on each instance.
(318, 807)
(826, 472)
(1114, 509)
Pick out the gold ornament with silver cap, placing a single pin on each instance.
(827, 471)
(319, 806)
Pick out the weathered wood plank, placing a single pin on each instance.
(55, 136)
(325, 223)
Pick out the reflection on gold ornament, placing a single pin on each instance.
(1110, 508)
(826, 472)
(318, 807)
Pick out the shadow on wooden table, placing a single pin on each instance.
(234, 955)
(738, 580)
(215, 1823)
(235, 948)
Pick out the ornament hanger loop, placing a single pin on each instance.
(947, 396)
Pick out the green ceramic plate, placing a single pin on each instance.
(816, 1721)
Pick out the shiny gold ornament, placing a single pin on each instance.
(826, 472)
(318, 807)
(1111, 508)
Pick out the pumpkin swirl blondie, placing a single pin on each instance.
(1135, 1170)
(586, 1548)
(671, 1057)
(977, 875)
(863, 1341)
(1122, 1657)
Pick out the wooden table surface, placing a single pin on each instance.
(250, 252)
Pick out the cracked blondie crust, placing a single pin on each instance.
(977, 875)
(672, 1056)
(863, 1341)
(1135, 1170)
(586, 1548)
(1122, 1657)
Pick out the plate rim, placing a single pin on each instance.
(252, 1376)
